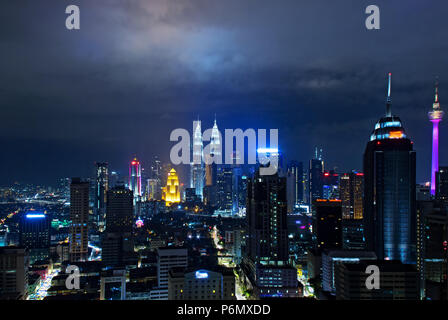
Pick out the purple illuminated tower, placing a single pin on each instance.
(435, 116)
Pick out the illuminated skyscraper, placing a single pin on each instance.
(215, 141)
(101, 187)
(389, 190)
(435, 116)
(215, 152)
(135, 178)
(79, 215)
(224, 189)
(351, 190)
(153, 189)
(315, 179)
(197, 169)
(35, 235)
(118, 246)
(330, 185)
(294, 184)
(266, 260)
(172, 193)
(327, 223)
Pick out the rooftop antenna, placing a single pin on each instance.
(388, 99)
(436, 98)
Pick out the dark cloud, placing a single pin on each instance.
(138, 69)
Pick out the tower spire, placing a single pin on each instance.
(436, 97)
(435, 116)
(388, 99)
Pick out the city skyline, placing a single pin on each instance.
(160, 69)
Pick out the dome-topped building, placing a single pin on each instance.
(388, 127)
(389, 190)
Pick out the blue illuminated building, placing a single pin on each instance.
(35, 235)
(389, 193)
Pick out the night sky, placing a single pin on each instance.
(139, 69)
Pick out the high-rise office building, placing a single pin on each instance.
(114, 179)
(14, 265)
(172, 193)
(224, 189)
(389, 190)
(215, 153)
(351, 190)
(101, 187)
(237, 189)
(197, 166)
(215, 142)
(442, 184)
(211, 174)
(266, 260)
(153, 189)
(156, 168)
(118, 246)
(35, 235)
(315, 177)
(294, 184)
(330, 185)
(135, 178)
(154, 183)
(327, 223)
(167, 259)
(432, 248)
(435, 116)
(422, 192)
(119, 214)
(79, 215)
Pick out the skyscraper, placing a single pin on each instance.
(101, 187)
(266, 261)
(197, 166)
(135, 178)
(79, 215)
(327, 223)
(153, 189)
(442, 184)
(154, 183)
(215, 142)
(168, 258)
(14, 265)
(35, 235)
(215, 152)
(224, 189)
(351, 189)
(117, 243)
(330, 185)
(294, 184)
(172, 192)
(435, 116)
(315, 179)
(389, 190)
